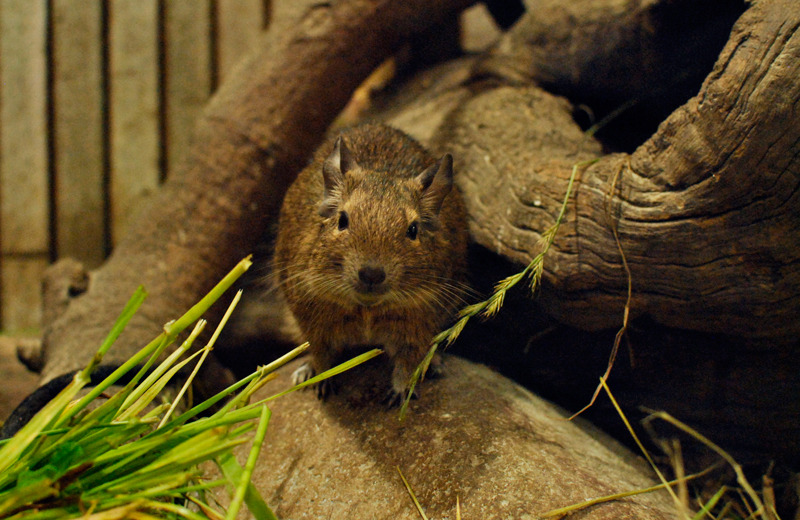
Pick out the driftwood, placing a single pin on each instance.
(606, 54)
(706, 209)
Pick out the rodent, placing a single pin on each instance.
(371, 250)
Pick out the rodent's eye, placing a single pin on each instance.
(344, 221)
(412, 231)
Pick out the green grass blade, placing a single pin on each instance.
(23, 495)
(197, 310)
(109, 461)
(47, 416)
(125, 316)
(244, 481)
(710, 505)
(154, 346)
(347, 365)
(233, 472)
(161, 369)
(119, 325)
(209, 346)
(153, 391)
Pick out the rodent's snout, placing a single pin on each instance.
(370, 278)
(369, 284)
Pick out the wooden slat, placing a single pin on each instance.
(188, 71)
(239, 25)
(23, 127)
(135, 148)
(21, 293)
(78, 130)
(24, 187)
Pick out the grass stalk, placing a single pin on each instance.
(412, 495)
(492, 305)
(126, 457)
(749, 492)
(244, 481)
(205, 351)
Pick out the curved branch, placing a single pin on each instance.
(706, 209)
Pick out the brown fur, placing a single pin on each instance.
(318, 263)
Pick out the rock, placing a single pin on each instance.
(473, 436)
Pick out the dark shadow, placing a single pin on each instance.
(678, 46)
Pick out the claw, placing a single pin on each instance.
(395, 398)
(435, 369)
(324, 388)
(303, 373)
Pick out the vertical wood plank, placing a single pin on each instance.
(78, 130)
(133, 83)
(23, 116)
(24, 184)
(188, 71)
(239, 26)
(21, 294)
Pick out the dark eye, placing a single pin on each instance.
(344, 221)
(412, 231)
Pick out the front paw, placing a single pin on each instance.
(326, 388)
(436, 369)
(396, 397)
(304, 372)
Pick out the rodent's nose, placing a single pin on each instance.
(371, 275)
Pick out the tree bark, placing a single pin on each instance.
(251, 141)
(706, 209)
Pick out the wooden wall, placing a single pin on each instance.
(97, 101)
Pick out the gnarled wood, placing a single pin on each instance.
(707, 209)
(606, 53)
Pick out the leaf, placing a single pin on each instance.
(65, 456)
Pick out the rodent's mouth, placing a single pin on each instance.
(369, 296)
(368, 300)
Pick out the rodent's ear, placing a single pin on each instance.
(338, 163)
(435, 183)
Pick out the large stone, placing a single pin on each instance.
(473, 435)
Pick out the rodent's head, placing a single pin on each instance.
(381, 237)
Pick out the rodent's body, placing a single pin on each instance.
(371, 248)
